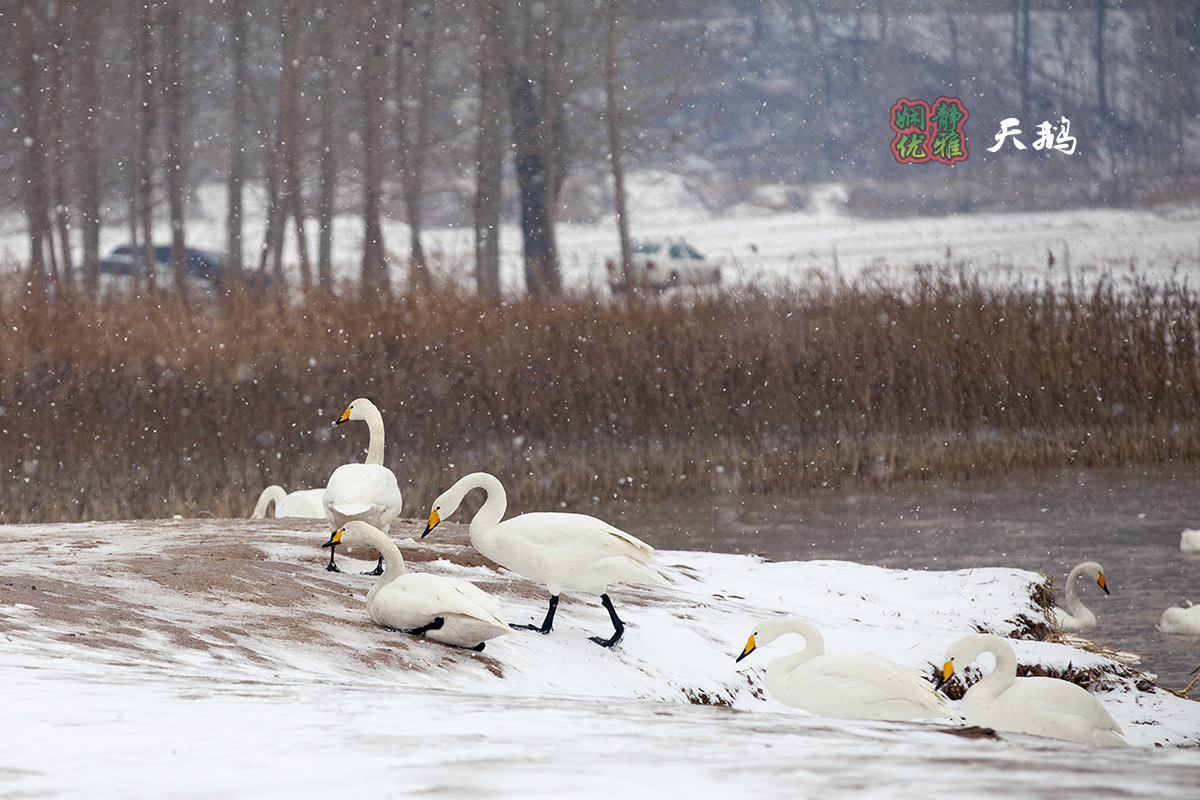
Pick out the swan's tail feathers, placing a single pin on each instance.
(271, 494)
(624, 569)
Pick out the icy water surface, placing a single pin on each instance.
(1128, 521)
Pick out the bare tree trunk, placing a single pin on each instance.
(1023, 65)
(551, 138)
(413, 124)
(372, 32)
(144, 257)
(533, 138)
(60, 102)
(490, 152)
(89, 167)
(327, 161)
(1101, 62)
(29, 124)
(236, 184)
(173, 106)
(289, 137)
(632, 279)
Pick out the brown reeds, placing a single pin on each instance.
(135, 406)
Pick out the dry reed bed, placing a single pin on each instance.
(141, 406)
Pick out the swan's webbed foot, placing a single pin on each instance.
(437, 623)
(547, 623)
(378, 568)
(617, 625)
(478, 648)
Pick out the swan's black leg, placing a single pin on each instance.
(332, 567)
(478, 648)
(547, 624)
(421, 631)
(378, 568)
(616, 621)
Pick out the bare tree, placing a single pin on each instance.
(538, 136)
(327, 131)
(29, 128)
(144, 72)
(236, 181)
(173, 100)
(613, 116)
(373, 37)
(414, 64)
(489, 149)
(89, 147)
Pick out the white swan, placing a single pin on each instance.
(1189, 542)
(1040, 706)
(845, 685)
(1080, 617)
(1180, 620)
(301, 503)
(366, 492)
(434, 606)
(561, 551)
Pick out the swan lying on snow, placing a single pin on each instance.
(845, 685)
(1179, 620)
(301, 503)
(366, 492)
(1039, 706)
(1189, 542)
(1080, 617)
(436, 607)
(561, 551)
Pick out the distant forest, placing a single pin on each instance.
(481, 110)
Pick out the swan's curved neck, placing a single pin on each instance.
(374, 422)
(1001, 677)
(393, 562)
(492, 511)
(1074, 604)
(780, 668)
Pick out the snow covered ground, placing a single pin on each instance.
(202, 658)
(754, 244)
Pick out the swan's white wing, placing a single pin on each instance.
(588, 536)
(864, 686)
(417, 598)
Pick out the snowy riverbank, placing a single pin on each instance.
(202, 657)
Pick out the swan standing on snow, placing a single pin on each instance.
(561, 551)
(1040, 706)
(1180, 620)
(1080, 617)
(302, 503)
(366, 492)
(436, 607)
(845, 685)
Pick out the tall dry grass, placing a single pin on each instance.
(149, 406)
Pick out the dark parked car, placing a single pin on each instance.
(205, 269)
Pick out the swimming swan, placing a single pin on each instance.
(845, 685)
(1180, 620)
(443, 609)
(561, 551)
(1189, 542)
(1040, 706)
(302, 503)
(1080, 617)
(367, 492)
